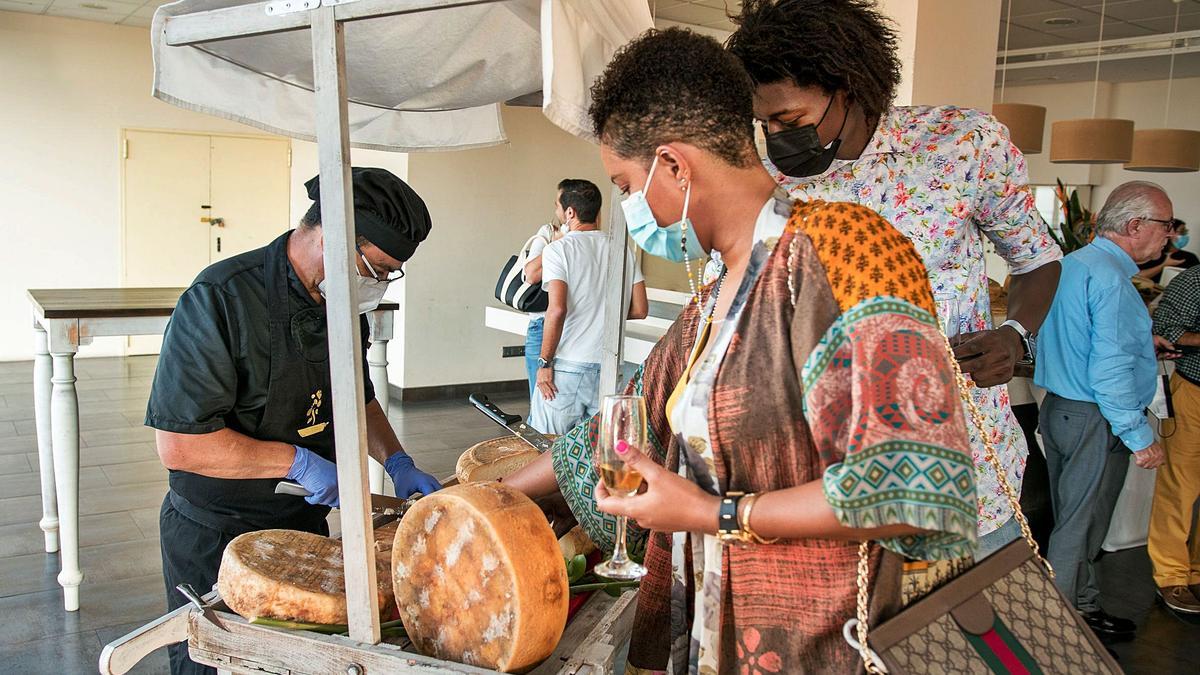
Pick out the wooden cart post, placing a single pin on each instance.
(345, 342)
(616, 294)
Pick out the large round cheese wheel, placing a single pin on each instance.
(495, 458)
(479, 578)
(290, 575)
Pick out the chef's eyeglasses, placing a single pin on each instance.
(394, 276)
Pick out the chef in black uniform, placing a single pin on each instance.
(241, 396)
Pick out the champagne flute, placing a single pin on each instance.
(622, 426)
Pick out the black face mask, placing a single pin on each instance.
(798, 153)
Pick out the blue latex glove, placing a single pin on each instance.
(317, 474)
(408, 478)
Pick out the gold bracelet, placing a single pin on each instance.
(745, 521)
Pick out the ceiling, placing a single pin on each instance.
(1035, 24)
(1122, 19)
(1053, 24)
(708, 13)
(1071, 22)
(124, 12)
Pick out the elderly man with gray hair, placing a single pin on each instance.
(1096, 358)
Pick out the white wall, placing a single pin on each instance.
(947, 50)
(68, 87)
(1072, 100)
(1142, 102)
(485, 204)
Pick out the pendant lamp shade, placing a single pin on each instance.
(1026, 124)
(1166, 150)
(1091, 141)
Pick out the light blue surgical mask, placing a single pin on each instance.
(1181, 241)
(664, 242)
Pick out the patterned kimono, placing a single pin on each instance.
(835, 371)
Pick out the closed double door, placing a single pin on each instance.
(190, 200)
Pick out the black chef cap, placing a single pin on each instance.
(389, 213)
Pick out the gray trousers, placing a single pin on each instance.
(1087, 465)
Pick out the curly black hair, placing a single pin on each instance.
(675, 85)
(837, 45)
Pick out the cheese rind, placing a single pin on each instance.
(479, 578)
(493, 459)
(291, 575)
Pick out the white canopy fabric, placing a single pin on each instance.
(431, 80)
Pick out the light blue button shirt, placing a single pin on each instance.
(1095, 344)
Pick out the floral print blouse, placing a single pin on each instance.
(948, 177)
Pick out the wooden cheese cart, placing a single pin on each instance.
(589, 646)
(248, 61)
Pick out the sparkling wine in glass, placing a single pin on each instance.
(622, 426)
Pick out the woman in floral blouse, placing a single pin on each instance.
(825, 74)
(811, 378)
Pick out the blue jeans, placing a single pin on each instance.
(578, 398)
(533, 350)
(997, 539)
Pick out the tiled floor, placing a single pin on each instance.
(122, 485)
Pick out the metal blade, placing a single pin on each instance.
(205, 610)
(513, 423)
(379, 503)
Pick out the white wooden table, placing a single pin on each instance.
(63, 321)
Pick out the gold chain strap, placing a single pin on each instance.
(989, 450)
(864, 564)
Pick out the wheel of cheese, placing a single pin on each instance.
(479, 578)
(575, 542)
(290, 575)
(494, 459)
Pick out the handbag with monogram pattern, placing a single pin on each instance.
(1004, 615)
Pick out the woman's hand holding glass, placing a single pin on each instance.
(667, 502)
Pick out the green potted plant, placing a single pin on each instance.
(1078, 224)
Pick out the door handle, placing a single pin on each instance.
(218, 222)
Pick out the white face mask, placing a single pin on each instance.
(370, 293)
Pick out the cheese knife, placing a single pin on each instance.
(205, 610)
(513, 423)
(381, 504)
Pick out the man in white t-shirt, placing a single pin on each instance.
(573, 269)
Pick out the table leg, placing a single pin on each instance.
(64, 417)
(42, 370)
(377, 365)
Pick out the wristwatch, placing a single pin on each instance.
(543, 363)
(729, 526)
(1026, 340)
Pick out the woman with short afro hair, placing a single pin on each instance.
(825, 74)
(804, 402)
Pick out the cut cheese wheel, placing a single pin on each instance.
(479, 578)
(494, 459)
(290, 575)
(576, 542)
